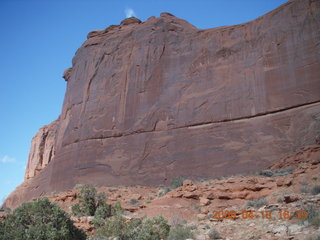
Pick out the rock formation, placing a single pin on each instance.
(147, 101)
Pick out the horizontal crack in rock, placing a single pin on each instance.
(202, 124)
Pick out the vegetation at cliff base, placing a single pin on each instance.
(181, 232)
(136, 229)
(39, 220)
(110, 221)
(257, 203)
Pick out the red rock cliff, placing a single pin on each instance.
(147, 101)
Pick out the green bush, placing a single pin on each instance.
(163, 191)
(313, 237)
(275, 173)
(102, 213)
(214, 234)
(39, 220)
(100, 199)
(87, 202)
(177, 182)
(304, 189)
(113, 226)
(313, 216)
(1, 229)
(257, 203)
(137, 229)
(134, 201)
(315, 190)
(91, 203)
(116, 209)
(283, 172)
(280, 200)
(180, 232)
(154, 229)
(266, 173)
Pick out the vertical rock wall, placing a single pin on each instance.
(147, 101)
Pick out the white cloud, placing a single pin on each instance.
(7, 159)
(129, 12)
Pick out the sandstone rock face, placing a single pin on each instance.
(42, 150)
(147, 101)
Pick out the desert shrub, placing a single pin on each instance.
(134, 201)
(180, 232)
(87, 202)
(275, 173)
(177, 182)
(283, 172)
(92, 203)
(116, 209)
(5, 209)
(197, 207)
(257, 203)
(315, 190)
(313, 238)
(214, 234)
(313, 216)
(100, 199)
(155, 228)
(2, 229)
(113, 226)
(137, 229)
(304, 189)
(39, 220)
(164, 191)
(207, 226)
(280, 200)
(266, 173)
(102, 212)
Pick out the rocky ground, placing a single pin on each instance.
(288, 185)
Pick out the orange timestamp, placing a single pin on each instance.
(252, 214)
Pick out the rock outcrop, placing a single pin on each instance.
(147, 101)
(42, 150)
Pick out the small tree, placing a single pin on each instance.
(87, 202)
(103, 210)
(39, 220)
(90, 202)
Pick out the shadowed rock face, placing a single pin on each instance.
(147, 101)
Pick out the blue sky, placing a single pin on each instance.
(38, 41)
